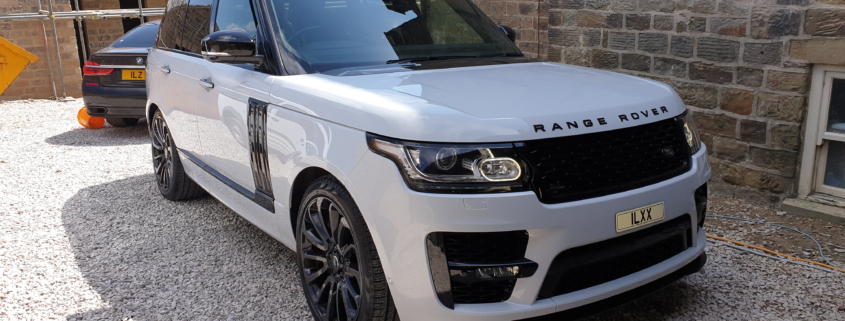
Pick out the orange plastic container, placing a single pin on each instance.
(88, 121)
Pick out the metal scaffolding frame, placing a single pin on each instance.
(77, 16)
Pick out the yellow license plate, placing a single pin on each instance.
(133, 74)
(639, 217)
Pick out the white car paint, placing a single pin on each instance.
(321, 121)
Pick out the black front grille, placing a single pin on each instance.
(590, 265)
(585, 166)
(494, 247)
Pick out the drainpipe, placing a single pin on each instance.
(47, 52)
(80, 32)
(58, 51)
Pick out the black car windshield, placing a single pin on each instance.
(140, 37)
(324, 35)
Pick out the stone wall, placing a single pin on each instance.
(742, 66)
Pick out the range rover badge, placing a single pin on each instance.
(668, 152)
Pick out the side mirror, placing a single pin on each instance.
(509, 32)
(230, 46)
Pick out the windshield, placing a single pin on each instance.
(324, 35)
(140, 37)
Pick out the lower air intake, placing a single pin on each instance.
(590, 265)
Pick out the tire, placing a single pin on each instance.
(340, 260)
(171, 179)
(122, 122)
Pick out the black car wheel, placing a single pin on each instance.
(122, 122)
(339, 267)
(172, 181)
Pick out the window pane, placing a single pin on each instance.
(197, 24)
(235, 15)
(836, 117)
(140, 37)
(171, 25)
(834, 174)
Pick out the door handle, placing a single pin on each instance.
(165, 69)
(206, 83)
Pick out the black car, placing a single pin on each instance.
(114, 80)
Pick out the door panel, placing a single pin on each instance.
(223, 113)
(178, 101)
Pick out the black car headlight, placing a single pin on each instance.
(691, 133)
(454, 168)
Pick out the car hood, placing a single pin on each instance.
(499, 103)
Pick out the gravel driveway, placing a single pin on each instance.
(84, 234)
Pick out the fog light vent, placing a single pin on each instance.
(477, 267)
(701, 204)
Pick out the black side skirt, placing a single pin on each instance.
(257, 196)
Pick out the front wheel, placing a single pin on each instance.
(340, 270)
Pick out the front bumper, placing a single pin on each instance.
(400, 220)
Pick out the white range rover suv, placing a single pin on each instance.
(419, 165)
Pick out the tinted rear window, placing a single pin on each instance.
(143, 36)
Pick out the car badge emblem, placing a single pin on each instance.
(139, 60)
(668, 152)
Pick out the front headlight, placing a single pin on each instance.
(454, 168)
(691, 133)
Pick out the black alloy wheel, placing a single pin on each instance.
(162, 155)
(340, 270)
(171, 179)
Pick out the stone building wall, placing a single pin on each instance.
(741, 66)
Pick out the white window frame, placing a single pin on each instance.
(814, 151)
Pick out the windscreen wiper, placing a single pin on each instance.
(426, 58)
(429, 58)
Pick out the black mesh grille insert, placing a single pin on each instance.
(582, 267)
(494, 247)
(585, 166)
(482, 292)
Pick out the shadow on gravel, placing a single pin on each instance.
(669, 302)
(149, 258)
(106, 136)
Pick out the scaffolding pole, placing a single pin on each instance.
(58, 49)
(77, 15)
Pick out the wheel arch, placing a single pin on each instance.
(304, 179)
(151, 109)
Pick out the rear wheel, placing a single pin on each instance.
(171, 179)
(340, 270)
(122, 122)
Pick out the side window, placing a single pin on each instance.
(197, 18)
(235, 15)
(170, 31)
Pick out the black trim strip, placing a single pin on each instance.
(257, 125)
(258, 197)
(439, 269)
